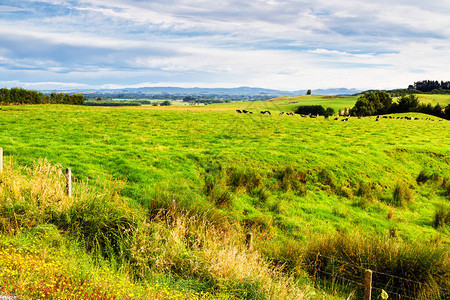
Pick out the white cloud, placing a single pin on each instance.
(289, 44)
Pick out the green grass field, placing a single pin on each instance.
(289, 104)
(443, 100)
(288, 179)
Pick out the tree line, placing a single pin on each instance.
(380, 102)
(23, 96)
(431, 86)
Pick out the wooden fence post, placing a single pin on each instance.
(368, 285)
(69, 182)
(1, 159)
(249, 240)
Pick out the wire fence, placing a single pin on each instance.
(395, 287)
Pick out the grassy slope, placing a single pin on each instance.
(443, 100)
(165, 155)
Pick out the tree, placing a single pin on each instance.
(311, 109)
(408, 103)
(5, 96)
(166, 103)
(188, 99)
(329, 111)
(308, 92)
(437, 111)
(447, 112)
(372, 103)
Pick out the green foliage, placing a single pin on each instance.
(372, 103)
(311, 109)
(407, 103)
(308, 92)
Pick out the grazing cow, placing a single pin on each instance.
(290, 114)
(440, 120)
(344, 120)
(337, 118)
(250, 112)
(245, 111)
(384, 117)
(265, 112)
(377, 119)
(238, 111)
(281, 113)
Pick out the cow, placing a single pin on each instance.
(245, 111)
(281, 113)
(337, 118)
(265, 112)
(238, 111)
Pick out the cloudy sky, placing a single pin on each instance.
(281, 44)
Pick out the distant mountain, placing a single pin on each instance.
(336, 92)
(197, 90)
(241, 91)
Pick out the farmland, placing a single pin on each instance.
(287, 179)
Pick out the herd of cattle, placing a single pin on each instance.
(344, 119)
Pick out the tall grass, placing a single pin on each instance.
(418, 271)
(175, 240)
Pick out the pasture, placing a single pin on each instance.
(288, 179)
(171, 150)
(287, 104)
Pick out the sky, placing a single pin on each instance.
(288, 45)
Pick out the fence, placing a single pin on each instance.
(382, 284)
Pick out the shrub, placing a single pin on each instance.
(311, 109)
